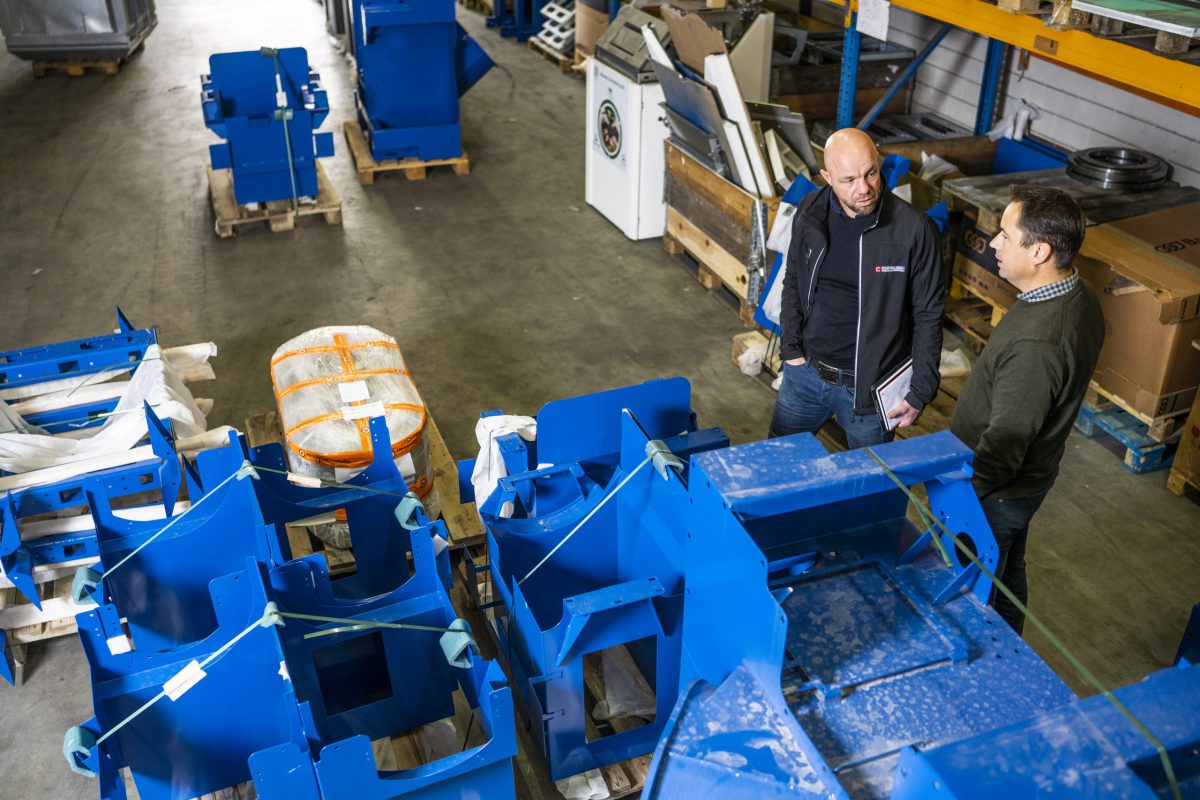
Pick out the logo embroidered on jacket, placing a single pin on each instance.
(892, 268)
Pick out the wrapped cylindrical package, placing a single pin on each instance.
(329, 382)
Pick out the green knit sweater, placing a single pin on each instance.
(1021, 398)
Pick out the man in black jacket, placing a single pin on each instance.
(863, 292)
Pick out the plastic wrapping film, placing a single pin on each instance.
(328, 383)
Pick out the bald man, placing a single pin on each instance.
(862, 293)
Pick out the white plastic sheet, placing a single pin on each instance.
(489, 466)
(25, 448)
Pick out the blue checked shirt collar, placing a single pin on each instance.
(1051, 290)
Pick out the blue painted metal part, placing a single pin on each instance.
(297, 715)
(1083, 749)
(524, 19)
(989, 85)
(238, 98)
(617, 582)
(812, 601)
(162, 591)
(900, 81)
(414, 62)
(123, 348)
(18, 557)
(849, 81)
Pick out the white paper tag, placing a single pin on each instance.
(283, 671)
(310, 481)
(185, 679)
(353, 391)
(119, 644)
(362, 412)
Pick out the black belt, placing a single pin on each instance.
(830, 374)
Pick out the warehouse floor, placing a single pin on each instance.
(503, 288)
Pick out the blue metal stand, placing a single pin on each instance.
(849, 84)
(414, 62)
(989, 85)
(267, 105)
(525, 18)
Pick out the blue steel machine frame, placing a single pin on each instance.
(618, 583)
(123, 349)
(290, 702)
(267, 105)
(414, 62)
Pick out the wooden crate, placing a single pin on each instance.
(414, 169)
(708, 217)
(278, 214)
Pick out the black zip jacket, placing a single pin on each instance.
(901, 294)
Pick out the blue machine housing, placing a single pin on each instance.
(871, 668)
(297, 715)
(618, 582)
(238, 98)
(414, 62)
(162, 590)
(524, 19)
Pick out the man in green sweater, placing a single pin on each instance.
(1021, 398)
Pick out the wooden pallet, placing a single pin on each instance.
(564, 61)
(24, 624)
(278, 214)
(475, 598)
(1175, 28)
(462, 521)
(77, 68)
(1140, 452)
(690, 252)
(413, 168)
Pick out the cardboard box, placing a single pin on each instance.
(1187, 457)
(590, 25)
(975, 265)
(1146, 270)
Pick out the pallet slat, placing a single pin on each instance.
(414, 169)
(279, 215)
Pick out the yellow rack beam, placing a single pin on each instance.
(1143, 71)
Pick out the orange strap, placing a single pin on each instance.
(334, 348)
(344, 377)
(356, 458)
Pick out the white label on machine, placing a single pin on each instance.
(362, 412)
(185, 679)
(119, 644)
(353, 391)
(610, 125)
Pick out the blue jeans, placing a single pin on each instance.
(1009, 519)
(806, 402)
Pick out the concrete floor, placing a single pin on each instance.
(503, 288)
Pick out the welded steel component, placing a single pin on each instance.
(610, 594)
(1118, 168)
(267, 105)
(294, 704)
(869, 664)
(414, 62)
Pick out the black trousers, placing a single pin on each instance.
(1010, 525)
